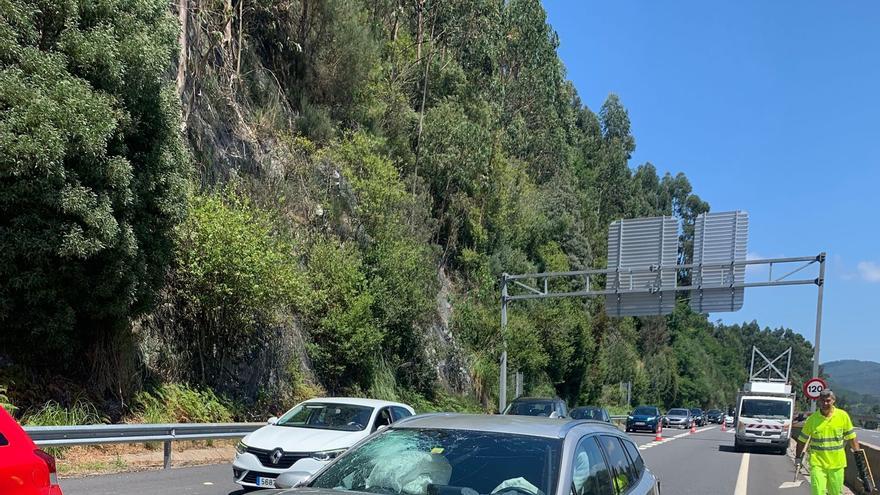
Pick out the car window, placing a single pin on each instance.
(589, 472)
(399, 413)
(383, 418)
(635, 457)
(3, 441)
(327, 416)
(622, 471)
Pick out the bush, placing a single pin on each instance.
(81, 412)
(175, 403)
(5, 403)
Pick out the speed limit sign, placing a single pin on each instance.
(813, 387)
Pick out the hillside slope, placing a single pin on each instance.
(862, 377)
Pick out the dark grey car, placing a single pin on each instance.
(590, 412)
(537, 406)
(451, 454)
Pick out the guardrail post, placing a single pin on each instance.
(166, 460)
(166, 463)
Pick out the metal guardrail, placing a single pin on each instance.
(58, 436)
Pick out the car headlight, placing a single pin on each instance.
(327, 455)
(240, 448)
(629, 418)
(651, 418)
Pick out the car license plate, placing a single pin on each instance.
(763, 440)
(640, 423)
(265, 482)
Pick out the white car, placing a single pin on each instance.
(309, 436)
(728, 420)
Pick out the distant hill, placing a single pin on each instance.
(862, 377)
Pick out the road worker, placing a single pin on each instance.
(826, 431)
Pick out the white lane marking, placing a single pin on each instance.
(742, 479)
(208, 483)
(669, 439)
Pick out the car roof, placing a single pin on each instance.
(497, 423)
(357, 401)
(531, 399)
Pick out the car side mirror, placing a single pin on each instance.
(273, 420)
(291, 479)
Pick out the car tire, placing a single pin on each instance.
(656, 428)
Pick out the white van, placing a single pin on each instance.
(764, 415)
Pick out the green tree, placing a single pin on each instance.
(92, 173)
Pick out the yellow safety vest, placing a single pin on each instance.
(829, 434)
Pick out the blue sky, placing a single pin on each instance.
(767, 106)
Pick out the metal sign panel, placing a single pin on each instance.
(719, 238)
(642, 244)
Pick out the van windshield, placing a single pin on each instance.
(766, 408)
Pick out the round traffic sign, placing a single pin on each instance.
(813, 387)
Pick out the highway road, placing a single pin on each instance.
(703, 463)
(869, 436)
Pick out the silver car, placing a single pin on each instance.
(678, 418)
(461, 454)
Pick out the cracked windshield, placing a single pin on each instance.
(439, 247)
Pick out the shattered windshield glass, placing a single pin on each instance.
(439, 462)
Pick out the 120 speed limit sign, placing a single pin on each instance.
(813, 387)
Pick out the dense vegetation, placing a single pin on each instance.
(351, 179)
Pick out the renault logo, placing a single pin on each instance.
(275, 456)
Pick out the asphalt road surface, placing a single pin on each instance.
(703, 463)
(869, 436)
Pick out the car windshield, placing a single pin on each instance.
(343, 417)
(696, 411)
(714, 411)
(422, 462)
(677, 412)
(587, 413)
(530, 408)
(645, 411)
(766, 408)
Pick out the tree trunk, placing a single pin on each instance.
(422, 107)
(229, 13)
(240, 29)
(183, 15)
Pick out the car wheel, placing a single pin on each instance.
(656, 428)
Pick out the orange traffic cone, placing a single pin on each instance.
(693, 427)
(723, 425)
(659, 436)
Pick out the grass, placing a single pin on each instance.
(5, 403)
(81, 412)
(177, 403)
(83, 467)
